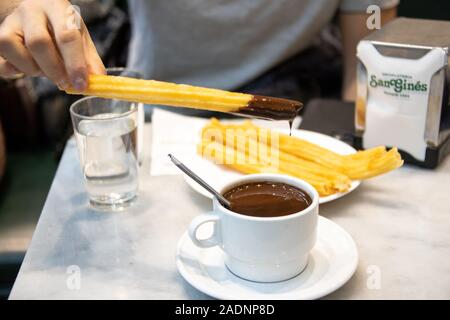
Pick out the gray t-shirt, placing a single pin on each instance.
(225, 43)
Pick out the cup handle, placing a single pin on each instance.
(198, 221)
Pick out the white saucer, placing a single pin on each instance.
(331, 264)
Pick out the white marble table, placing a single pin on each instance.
(400, 223)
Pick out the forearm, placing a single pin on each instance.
(353, 28)
(6, 7)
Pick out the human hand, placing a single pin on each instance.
(48, 38)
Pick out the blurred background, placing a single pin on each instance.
(35, 125)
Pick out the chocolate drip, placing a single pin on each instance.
(271, 108)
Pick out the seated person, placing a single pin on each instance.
(220, 44)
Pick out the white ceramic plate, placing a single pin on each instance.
(331, 264)
(218, 176)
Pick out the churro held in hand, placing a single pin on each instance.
(180, 95)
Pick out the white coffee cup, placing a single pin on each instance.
(258, 248)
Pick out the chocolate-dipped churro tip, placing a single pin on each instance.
(181, 95)
(272, 108)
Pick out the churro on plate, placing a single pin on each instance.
(238, 146)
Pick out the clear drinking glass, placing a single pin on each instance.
(106, 132)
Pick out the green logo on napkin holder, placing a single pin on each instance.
(398, 84)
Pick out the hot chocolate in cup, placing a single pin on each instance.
(269, 239)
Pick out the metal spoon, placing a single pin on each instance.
(200, 181)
